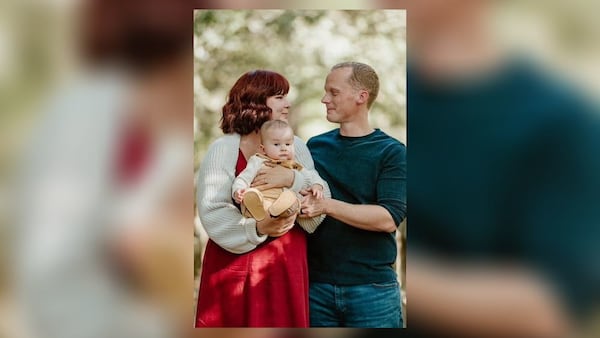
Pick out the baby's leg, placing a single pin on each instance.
(253, 203)
(285, 205)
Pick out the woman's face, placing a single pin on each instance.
(280, 105)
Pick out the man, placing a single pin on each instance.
(351, 255)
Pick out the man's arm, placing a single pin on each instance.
(384, 214)
(362, 216)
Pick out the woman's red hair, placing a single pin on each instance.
(246, 108)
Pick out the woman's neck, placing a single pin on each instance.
(249, 144)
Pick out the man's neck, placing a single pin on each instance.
(355, 129)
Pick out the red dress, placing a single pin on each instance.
(266, 287)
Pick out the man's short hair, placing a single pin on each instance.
(363, 77)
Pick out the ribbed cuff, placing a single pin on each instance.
(310, 224)
(253, 237)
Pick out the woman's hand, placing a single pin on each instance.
(273, 176)
(275, 227)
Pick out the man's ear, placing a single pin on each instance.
(363, 97)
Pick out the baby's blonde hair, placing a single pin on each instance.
(273, 124)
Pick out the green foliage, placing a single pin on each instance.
(302, 45)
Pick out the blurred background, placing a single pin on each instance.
(302, 45)
(69, 270)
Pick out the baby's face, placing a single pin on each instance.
(278, 143)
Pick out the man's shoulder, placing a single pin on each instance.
(388, 139)
(387, 145)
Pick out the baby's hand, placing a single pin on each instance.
(238, 196)
(317, 191)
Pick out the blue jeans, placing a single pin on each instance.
(375, 305)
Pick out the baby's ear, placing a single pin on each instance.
(262, 148)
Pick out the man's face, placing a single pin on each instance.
(340, 99)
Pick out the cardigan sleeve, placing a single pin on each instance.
(308, 176)
(221, 219)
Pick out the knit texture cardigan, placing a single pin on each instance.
(221, 219)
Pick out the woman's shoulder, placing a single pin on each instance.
(225, 142)
(228, 139)
(223, 149)
(299, 141)
(299, 144)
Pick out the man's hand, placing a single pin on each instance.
(311, 205)
(369, 217)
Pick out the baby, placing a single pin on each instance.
(277, 145)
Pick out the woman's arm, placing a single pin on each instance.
(308, 174)
(307, 177)
(221, 219)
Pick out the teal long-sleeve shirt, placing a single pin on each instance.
(370, 169)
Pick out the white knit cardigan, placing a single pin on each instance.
(221, 219)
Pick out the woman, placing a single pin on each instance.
(254, 274)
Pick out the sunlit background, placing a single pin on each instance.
(42, 70)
